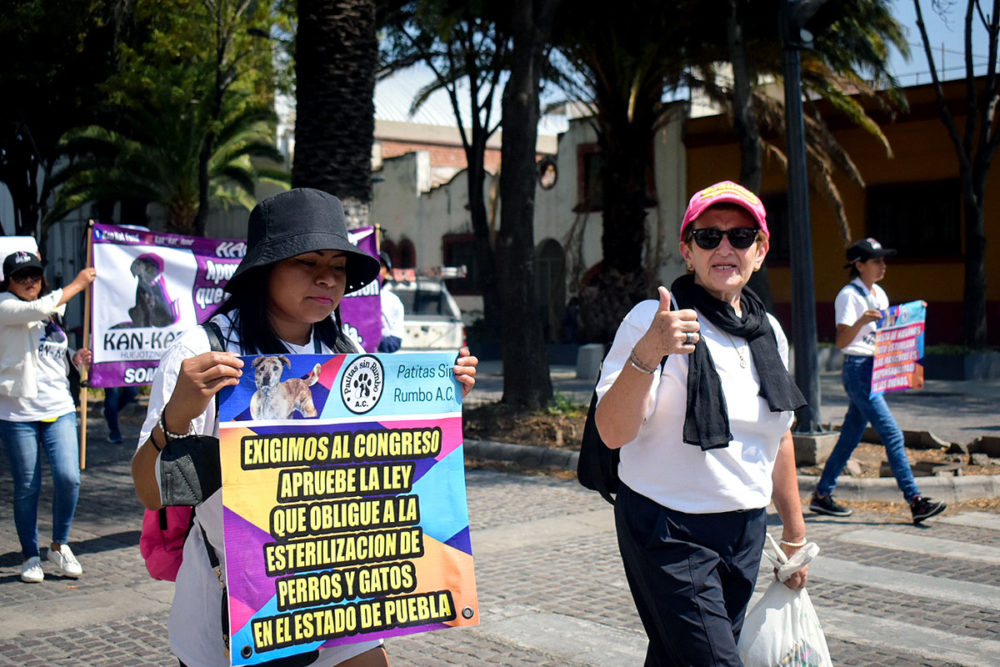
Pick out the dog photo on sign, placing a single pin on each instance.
(275, 399)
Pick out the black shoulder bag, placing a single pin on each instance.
(597, 467)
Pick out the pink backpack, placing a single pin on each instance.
(162, 540)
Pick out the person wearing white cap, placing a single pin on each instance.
(699, 401)
(285, 298)
(36, 407)
(859, 308)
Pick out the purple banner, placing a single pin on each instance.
(152, 286)
(362, 310)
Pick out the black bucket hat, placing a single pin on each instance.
(299, 221)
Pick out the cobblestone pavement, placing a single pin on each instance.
(550, 583)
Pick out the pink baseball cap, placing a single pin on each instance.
(725, 192)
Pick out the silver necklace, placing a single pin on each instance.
(743, 361)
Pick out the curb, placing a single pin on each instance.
(949, 489)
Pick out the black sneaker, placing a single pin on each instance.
(827, 505)
(924, 508)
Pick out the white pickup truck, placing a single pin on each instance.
(431, 320)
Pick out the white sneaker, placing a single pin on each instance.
(31, 571)
(66, 561)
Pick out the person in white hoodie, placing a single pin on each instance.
(36, 406)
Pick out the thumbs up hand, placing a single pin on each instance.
(671, 332)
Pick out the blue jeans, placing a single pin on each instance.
(116, 398)
(857, 376)
(22, 442)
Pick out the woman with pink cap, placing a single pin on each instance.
(695, 393)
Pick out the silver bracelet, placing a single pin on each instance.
(167, 434)
(638, 368)
(794, 544)
(638, 364)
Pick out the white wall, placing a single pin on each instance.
(406, 210)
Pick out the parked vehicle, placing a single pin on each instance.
(432, 320)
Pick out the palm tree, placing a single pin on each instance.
(621, 67)
(156, 157)
(336, 54)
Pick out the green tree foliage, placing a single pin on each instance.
(54, 55)
(621, 59)
(187, 110)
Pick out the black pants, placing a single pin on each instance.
(691, 577)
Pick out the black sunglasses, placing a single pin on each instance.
(26, 277)
(710, 238)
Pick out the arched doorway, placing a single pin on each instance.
(550, 288)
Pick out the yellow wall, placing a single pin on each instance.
(922, 151)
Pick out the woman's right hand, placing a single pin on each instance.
(200, 378)
(668, 332)
(84, 278)
(78, 284)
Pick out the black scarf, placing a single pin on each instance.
(706, 422)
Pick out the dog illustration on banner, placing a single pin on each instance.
(275, 399)
(153, 306)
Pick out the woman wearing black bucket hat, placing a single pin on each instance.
(285, 298)
(859, 307)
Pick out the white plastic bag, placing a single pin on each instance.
(782, 628)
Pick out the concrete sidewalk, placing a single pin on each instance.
(950, 410)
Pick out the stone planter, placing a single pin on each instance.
(971, 366)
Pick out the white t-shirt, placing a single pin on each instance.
(53, 399)
(195, 623)
(660, 465)
(392, 314)
(849, 306)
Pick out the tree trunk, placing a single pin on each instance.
(974, 333)
(482, 235)
(626, 144)
(526, 381)
(335, 56)
(747, 131)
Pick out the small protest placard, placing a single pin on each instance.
(899, 349)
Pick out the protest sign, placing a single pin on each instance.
(899, 349)
(345, 511)
(153, 286)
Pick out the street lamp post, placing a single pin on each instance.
(795, 14)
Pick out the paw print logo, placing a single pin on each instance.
(362, 383)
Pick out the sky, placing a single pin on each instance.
(947, 41)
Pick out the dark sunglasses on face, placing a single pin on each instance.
(26, 277)
(740, 238)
